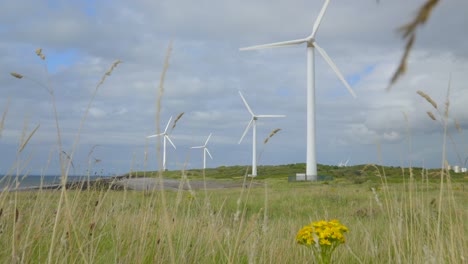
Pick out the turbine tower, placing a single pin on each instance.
(166, 137)
(205, 151)
(311, 168)
(253, 124)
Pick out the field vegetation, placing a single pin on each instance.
(414, 221)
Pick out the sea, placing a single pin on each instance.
(9, 181)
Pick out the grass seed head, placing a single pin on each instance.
(431, 115)
(177, 119)
(428, 98)
(16, 75)
(271, 135)
(39, 53)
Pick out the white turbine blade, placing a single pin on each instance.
(319, 18)
(170, 141)
(276, 44)
(246, 104)
(333, 66)
(270, 116)
(167, 126)
(157, 135)
(198, 147)
(206, 142)
(246, 130)
(207, 151)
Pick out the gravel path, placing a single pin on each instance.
(142, 184)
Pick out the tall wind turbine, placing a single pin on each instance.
(166, 137)
(311, 169)
(253, 124)
(205, 151)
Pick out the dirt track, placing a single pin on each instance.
(141, 184)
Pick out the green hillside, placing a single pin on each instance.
(356, 174)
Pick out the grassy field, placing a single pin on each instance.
(407, 222)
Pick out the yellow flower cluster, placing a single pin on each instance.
(322, 232)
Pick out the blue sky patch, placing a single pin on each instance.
(60, 60)
(355, 78)
(90, 8)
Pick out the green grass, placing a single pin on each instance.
(237, 225)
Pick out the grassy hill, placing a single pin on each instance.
(356, 174)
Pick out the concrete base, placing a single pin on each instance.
(304, 177)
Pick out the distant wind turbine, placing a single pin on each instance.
(343, 164)
(166, 137)
(253, 124)
(205, 151)
(311, 168)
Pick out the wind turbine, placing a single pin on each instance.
(166, 137)
(205, 151)
(253, 124)
(311, 168)
(346, 163)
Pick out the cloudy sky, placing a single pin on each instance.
(81, 39)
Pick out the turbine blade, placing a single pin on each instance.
(206, 142)
(157, 135)
(207, 151)
(168, 123)
(198, 147)
(319, 18)
(246, 130)
(275, 45)
(270, 116)
(246, 104)
(170, 141)
(333, 66)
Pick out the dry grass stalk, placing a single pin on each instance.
(2, 123)
(161, 81)
(428, 98)
(271, 135)
(109, 72)
(160, 174)
(408, 32)
(447, 100)
(16, 75)
(457, 125)
(23, 145)
(402, 66)
(177, 119)
(69, 158)
(431, 115)
(422, 16)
